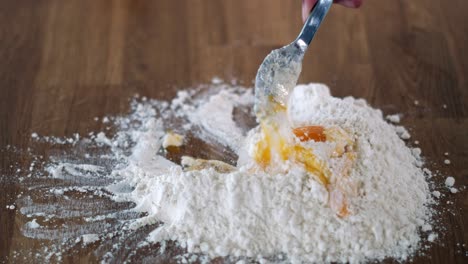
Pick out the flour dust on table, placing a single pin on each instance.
(196, 179)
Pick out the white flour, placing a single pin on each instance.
(256, 214)
(249, 213)
(215, 117)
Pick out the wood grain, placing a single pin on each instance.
(65, 62)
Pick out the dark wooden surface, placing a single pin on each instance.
(65, 62)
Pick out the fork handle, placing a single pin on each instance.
(311, 25)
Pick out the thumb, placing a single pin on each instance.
(349, 3)
(308, 4)
(307, 7)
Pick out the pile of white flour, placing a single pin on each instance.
(259, 215)
(249, 213)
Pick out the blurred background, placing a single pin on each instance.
(65, 62)
(82, 53)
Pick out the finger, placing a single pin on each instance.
(349, 3)
(306, 7)
(308, 4)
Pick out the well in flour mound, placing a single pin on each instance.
(248, 212)
(280, 211)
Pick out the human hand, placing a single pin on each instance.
(308, 4)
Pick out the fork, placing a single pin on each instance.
(278, 73)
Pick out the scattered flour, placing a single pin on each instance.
(89, 238)
(394, 118)
(432, 237)
(426, 228)
(251, 213)
(402, 132)
(33, 224)
(244, 211)
(416, 152)
(216, 80)
(450, 181)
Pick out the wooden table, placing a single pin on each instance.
(65, 62)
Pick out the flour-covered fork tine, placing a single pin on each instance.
(278, 73)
